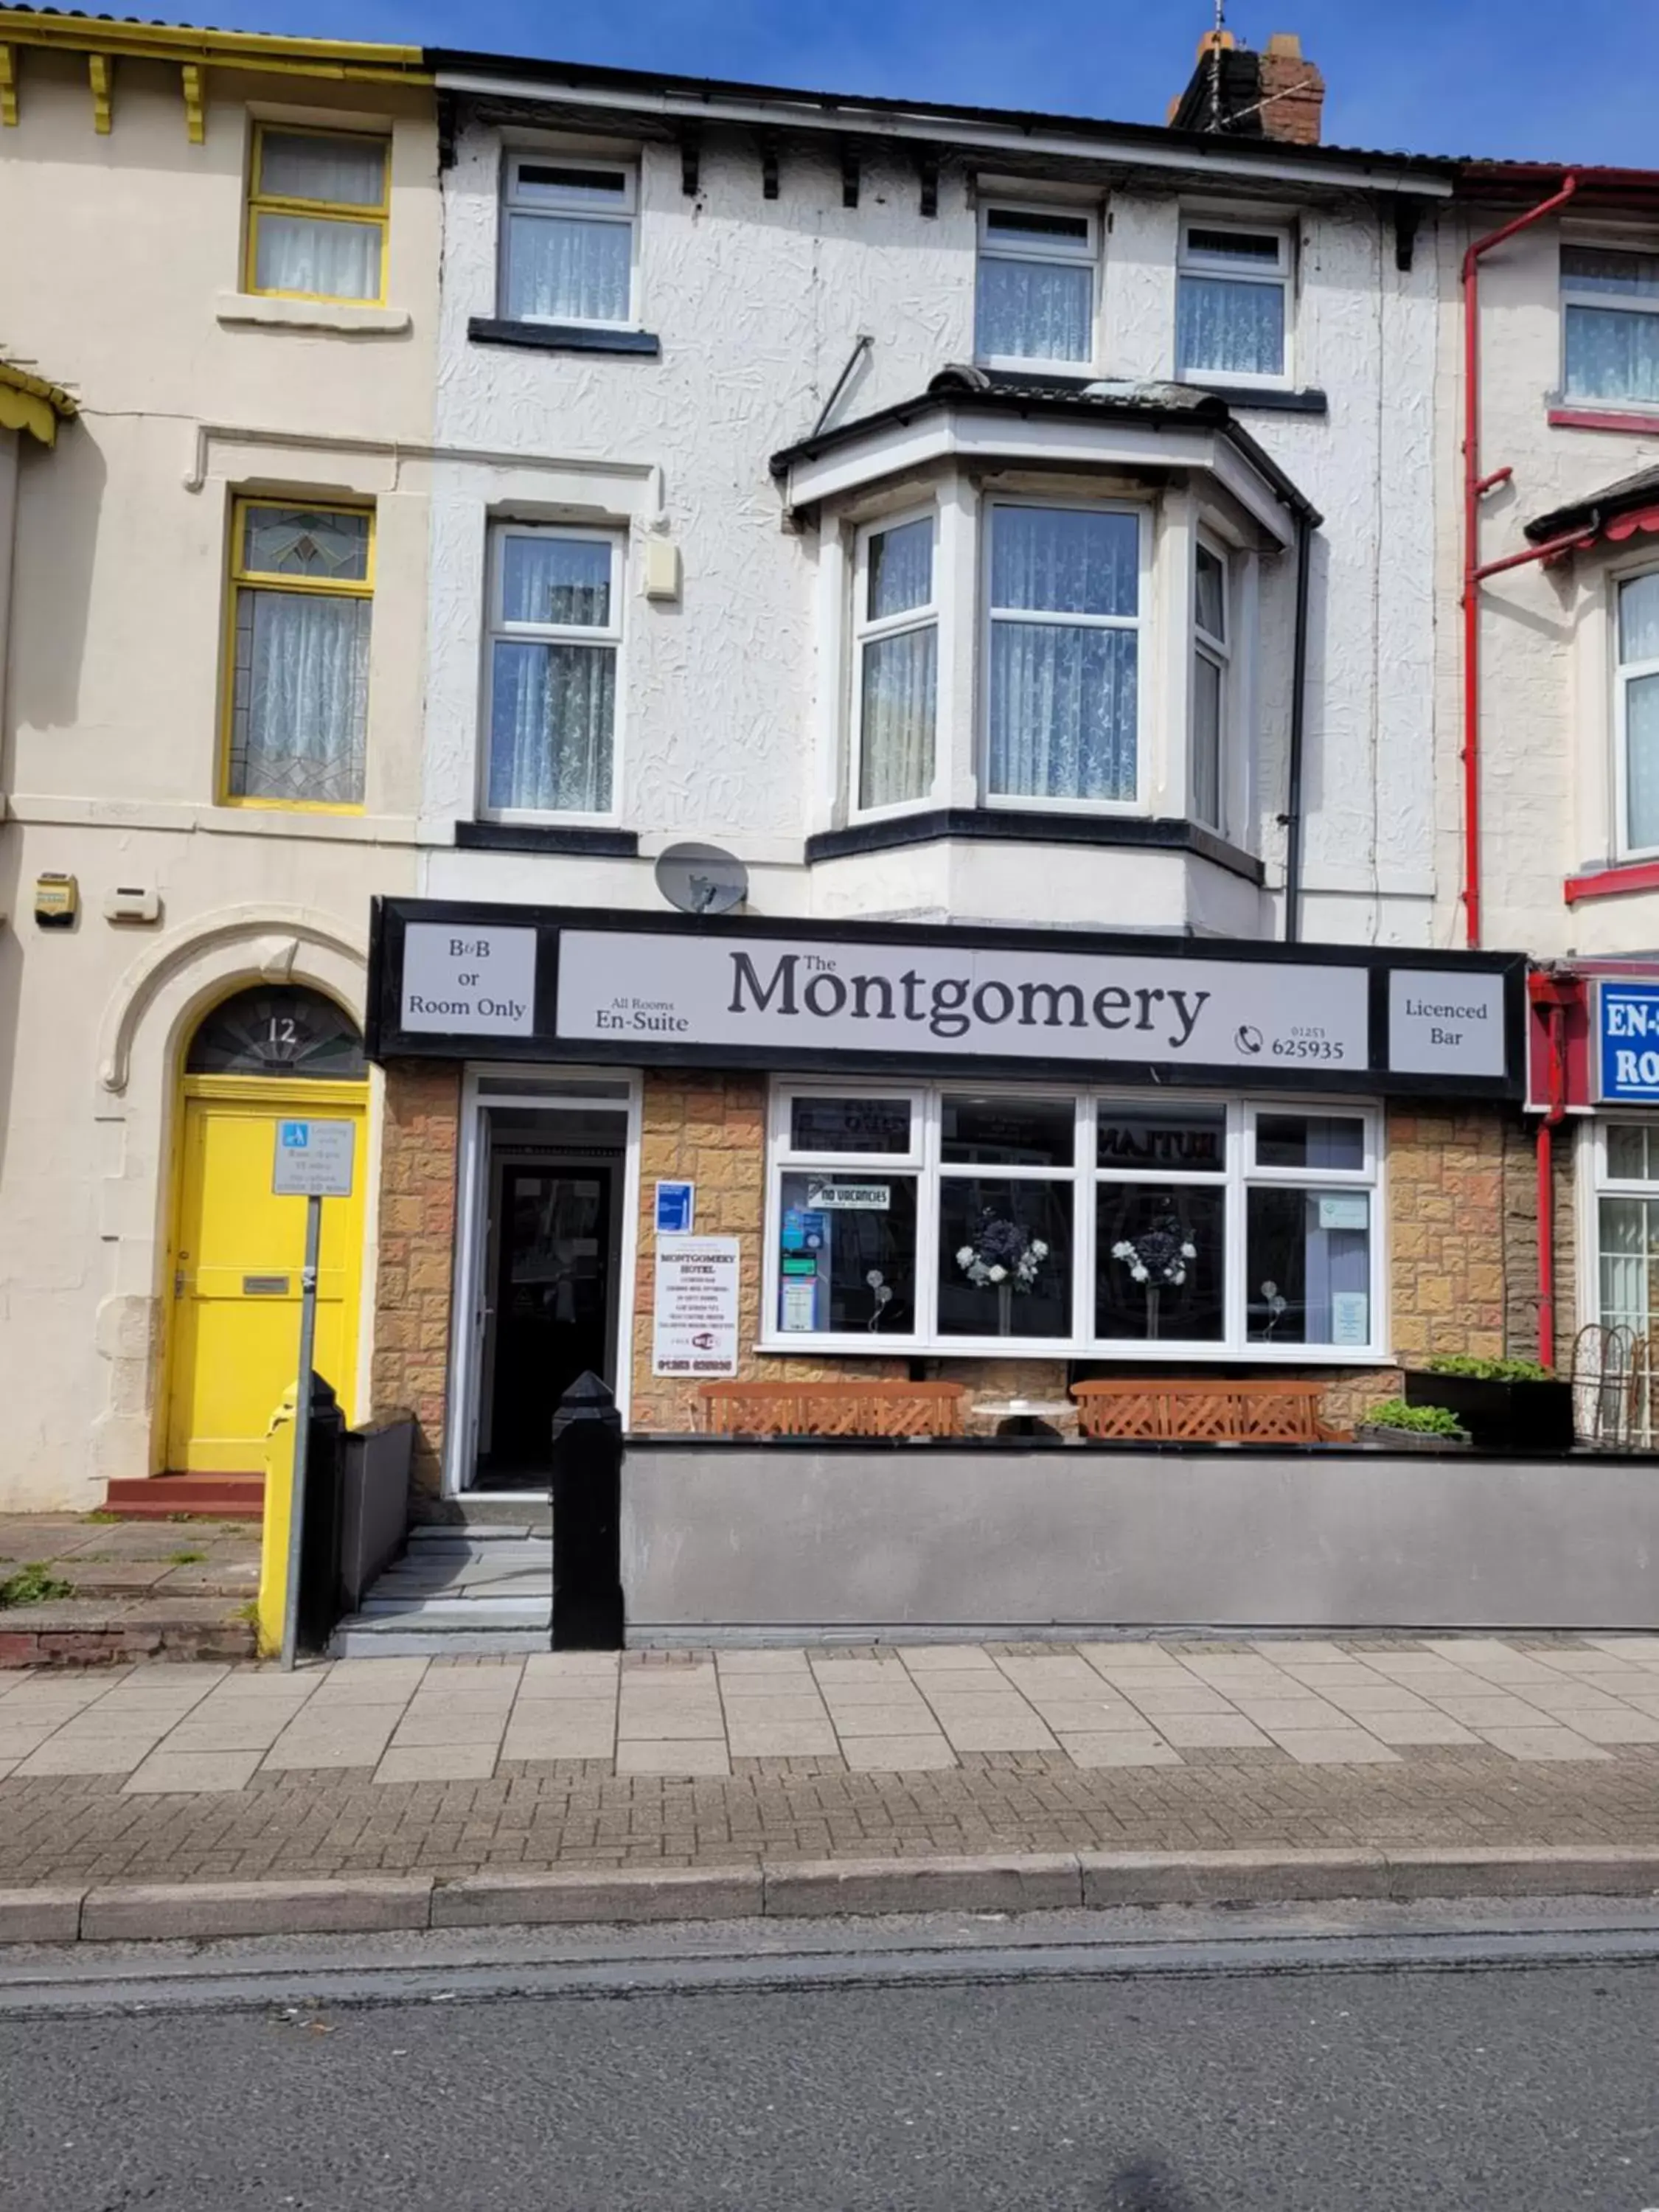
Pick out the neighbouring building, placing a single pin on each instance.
(1006, 546)
(1548, 805)
(222, 250)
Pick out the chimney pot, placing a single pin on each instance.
(1285, 42)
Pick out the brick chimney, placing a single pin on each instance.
(1275, 94)
(1292, 92)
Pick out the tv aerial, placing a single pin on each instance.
(701, 879)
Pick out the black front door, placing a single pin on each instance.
(553, 1292)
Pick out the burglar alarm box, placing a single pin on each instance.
(57, 900)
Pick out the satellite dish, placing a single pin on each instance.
(702, 879)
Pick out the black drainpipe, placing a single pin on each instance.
(1305, 530)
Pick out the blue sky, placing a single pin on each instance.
(1521, 79)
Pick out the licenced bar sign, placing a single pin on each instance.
(649, 988)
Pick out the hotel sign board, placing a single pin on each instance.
(550, 984)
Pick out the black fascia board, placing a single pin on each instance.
(1210, 412)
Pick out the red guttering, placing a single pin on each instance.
(1473, 486)
(1552, 995)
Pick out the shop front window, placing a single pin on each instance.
(1074, 1221)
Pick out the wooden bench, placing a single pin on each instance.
(833, 1409)
(1203, 1411)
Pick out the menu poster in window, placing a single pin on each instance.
(695, 1323)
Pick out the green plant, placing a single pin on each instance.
(101, 1520)
(1491, 1371)
(33, 1585)
(186, 1558)
(248, 1611)
(1421, 1420)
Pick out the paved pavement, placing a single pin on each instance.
(201, 1772)
(1116, 2078)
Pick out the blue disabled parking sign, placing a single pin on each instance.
(314, 1159)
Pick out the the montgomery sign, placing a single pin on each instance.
(528, 983)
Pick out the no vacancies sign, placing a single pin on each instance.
(617, 985)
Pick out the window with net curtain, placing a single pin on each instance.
(1063, 683)
(1211, 652)
(299, 706)
(554, 634)
(568, 240)
(896, 629)
(316, 215)
(1639, 708)
(1034, 294)
(1627, 1225)
(1230, 302)
(1610, 309)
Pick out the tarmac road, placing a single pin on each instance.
(945, 2066)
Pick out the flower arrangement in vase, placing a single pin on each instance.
(1003, 1256)
(1158, 1259)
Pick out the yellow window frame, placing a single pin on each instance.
(261, 203)
(244, 579)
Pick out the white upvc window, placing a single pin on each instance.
(568, 239)
(556, 598)
(1636, 711)
(1212, 659)
(1232, 302)
(1035, 293)
(1065, 591)
(896, 673)
(1625, 1175)
(1047, 1220)
(1610, 325)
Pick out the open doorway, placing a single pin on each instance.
(548, 1190)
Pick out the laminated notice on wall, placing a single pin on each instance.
(695, 1323)
(1351, 1322)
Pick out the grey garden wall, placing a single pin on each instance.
(749, 1540)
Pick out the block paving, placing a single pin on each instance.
(204, 1772)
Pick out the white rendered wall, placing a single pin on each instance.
(758, 306)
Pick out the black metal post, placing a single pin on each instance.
(318, 1597)
(587, 1449)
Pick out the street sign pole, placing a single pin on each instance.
(313, 1162)
(296, 1503)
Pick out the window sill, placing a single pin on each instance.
(1632, 421)
(1612, 881)
(1278, 398)
(352, 318)
(595, 842)
(561, 338)
(1021, 826)
(1002, 1348)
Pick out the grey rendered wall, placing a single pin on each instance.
(744, 1540)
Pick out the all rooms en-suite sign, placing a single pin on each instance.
(804, 997)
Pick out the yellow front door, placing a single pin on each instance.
(237, 1258)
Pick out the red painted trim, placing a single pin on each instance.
(1609, 883)
(1597, 418)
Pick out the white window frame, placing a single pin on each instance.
(1140, 623)
(923, 1160)
(863, 631)
(589, 634)
(1191, 263)
(1083, 254)
(1595, 403)
(1623, 674)
(577, 211)
(1218, 652)
(1595, 1182)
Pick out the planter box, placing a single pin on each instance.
(1382, 1438)
(1527, 1416)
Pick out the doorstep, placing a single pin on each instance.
(472, 1588)
(195, 1497)
(126, 1591)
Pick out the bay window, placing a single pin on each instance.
(1211, 654)
(896, 689)
(1066, 595)
(1610, 317)
(1636, 710)
(1233, 289)
(960, 1218)
(1034, 296)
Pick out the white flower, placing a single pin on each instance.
(1189, 1251)
(1039, 1249)
(965, 1256)
(1270, 1290)
(1124, 1250)
(1139, 1272)
(1178, 1275)
(998, 1275)
(875, 1279)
